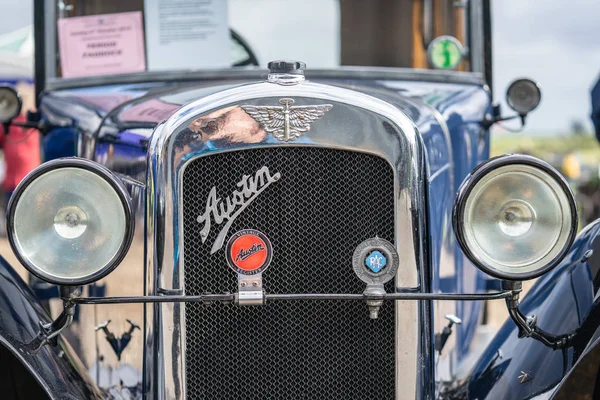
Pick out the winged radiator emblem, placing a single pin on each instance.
(289, 122)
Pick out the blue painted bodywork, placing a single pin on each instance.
(563, 300)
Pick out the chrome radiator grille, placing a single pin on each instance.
(326, 202)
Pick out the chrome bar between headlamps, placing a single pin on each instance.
(230, 297)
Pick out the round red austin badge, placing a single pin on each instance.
(249, 252)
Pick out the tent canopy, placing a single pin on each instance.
(16, 55)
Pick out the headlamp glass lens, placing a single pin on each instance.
(69, 223)
(517, 218)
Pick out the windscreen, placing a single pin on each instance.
(107, 37)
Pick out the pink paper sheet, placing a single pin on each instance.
(102, 44)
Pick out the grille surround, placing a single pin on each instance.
(345, 380)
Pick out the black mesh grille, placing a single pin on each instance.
(326, 202)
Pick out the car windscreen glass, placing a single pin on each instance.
(107, 37)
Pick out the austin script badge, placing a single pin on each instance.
(286, 123)
(228, 209)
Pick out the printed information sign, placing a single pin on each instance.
(187, 34)
(101, 44)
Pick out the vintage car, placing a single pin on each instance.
(328, 230)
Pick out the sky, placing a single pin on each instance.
(557, 44)
(554, 42)
(15, 14)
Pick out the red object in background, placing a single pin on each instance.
(21, 153)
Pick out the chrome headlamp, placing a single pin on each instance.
(515, 217)
(70, 221)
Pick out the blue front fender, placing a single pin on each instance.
(55, 367)
(518, 368)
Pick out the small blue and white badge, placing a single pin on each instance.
(376, 261)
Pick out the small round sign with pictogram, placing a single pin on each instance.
(249, 252)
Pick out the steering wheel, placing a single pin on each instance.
(247, 56)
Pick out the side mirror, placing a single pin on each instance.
(523, 96)
(10, 104)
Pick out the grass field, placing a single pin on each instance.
(586, 147)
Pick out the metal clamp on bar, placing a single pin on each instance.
(250, 290)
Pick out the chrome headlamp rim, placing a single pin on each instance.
(103, 173)
(471, 182)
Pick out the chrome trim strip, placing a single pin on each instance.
(476, 44)
(239, 73)
(439, 171)
(50, 40)
(397, 141)
(444, 127)
(427, 27)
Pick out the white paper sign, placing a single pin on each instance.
(187, 34)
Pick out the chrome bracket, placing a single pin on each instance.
(49, 332)
(374, 304)
(250, 290)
